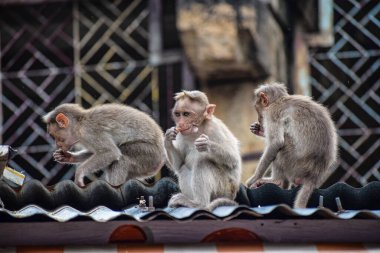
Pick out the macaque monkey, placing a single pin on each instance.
(121, 141)
(300, 140)
(203, 153)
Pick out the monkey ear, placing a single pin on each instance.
(62, 120)
(209, 111)
(264, 99)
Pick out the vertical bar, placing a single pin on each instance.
(339, 204)
(155, 95)
(155, 51)
(1, 93)
(187, 76)
(170, 89)
(326, 15)
(76, 45)
(155, 32)
(320, 201)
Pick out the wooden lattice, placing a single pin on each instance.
(88, 52)
(346, 78)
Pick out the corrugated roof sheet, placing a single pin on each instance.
(103, 214)
(101, 202)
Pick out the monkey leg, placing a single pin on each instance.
(203, 183)
(144, 159)
(138, 160)
(304, 194)
(276, 178)
(118, 172)
(184, 175)
(263, 181)
(210, 182)
(181, 200)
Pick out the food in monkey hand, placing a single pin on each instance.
(194, 129)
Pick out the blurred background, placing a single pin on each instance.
(141, 52)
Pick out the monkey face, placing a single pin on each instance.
(64, 139)
(259, 110)
(187, 116)
(186, 122)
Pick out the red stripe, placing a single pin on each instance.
(340, 247)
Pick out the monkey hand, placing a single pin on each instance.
(63, 156)
(79, 177)
(202, 143)
(170, 135)
(257, 129)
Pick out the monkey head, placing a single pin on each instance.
(62, 132)
(266, 94)
(62, 124)
(190, 111)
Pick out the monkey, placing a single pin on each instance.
(117, 139)
(203, 153)
(300, 140)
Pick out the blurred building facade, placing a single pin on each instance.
(141, 52)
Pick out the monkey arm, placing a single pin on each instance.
(266, 159)
(222, 155)
(68, 157)
(274, 142)
(174, 159)
(81, 156)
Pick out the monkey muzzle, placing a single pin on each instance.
(68, 147)
(192, 129)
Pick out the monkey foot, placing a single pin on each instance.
(261, 182)
(298, 181)
(180, 200)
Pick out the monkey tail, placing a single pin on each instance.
(221, 202)
(303, 195)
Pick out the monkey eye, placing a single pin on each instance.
(177, 114)
(186, 114)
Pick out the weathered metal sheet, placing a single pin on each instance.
(104, 214)
(102, 202)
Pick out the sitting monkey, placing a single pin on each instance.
(300, 140)
(122, 141)
(203, 153)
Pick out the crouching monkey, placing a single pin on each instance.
(122, 141)
(203, 153)
(300, 140)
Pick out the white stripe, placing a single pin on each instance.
(93, 249)
(190, 248)
(7, 250)
(372, 248)
(284, 248)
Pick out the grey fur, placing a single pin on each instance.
(207, 163)
(124, 142)
(300, 140)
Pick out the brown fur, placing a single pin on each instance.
(300, 140)
(124, 142)
(204, 154)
